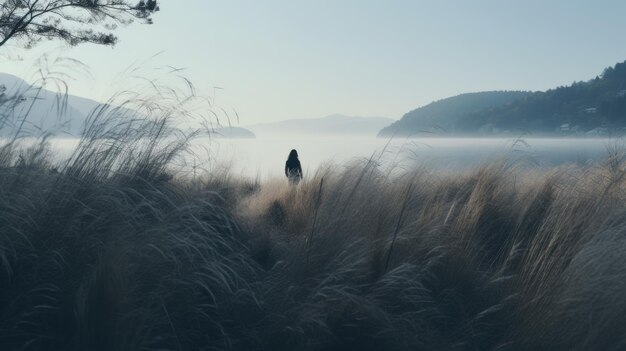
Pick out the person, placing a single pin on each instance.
(293, 170)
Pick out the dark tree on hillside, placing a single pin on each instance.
(73, 21)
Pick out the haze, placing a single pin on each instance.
(276, 60)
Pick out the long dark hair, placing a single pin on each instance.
(293, 156)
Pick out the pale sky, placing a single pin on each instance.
(278, 60)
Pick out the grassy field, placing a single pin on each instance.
(109, 252)
(117, 249)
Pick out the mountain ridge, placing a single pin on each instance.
(44, 110)
(334, 124)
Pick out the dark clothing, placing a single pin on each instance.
(293, 170)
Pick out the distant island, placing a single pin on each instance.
(232, 133)
(336, 124)
(593, 108)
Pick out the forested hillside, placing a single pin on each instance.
(594, 107)
(444, 116)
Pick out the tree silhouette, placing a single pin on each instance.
(73, 21)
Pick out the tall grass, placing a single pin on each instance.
(119, 258)
(111, 250)
(498, 258)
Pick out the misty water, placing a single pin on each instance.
(265, 157)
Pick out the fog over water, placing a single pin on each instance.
(265, 157)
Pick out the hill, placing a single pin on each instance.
(446, 115)
(45, 110)
(330, 125)
(594, 107)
